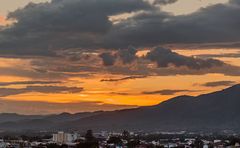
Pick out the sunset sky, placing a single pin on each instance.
(87, 55)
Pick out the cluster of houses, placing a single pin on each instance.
(116, 140)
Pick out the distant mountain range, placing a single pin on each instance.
(209, 112)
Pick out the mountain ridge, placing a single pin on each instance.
(214, 111)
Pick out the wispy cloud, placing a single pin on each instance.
(41, 89)
(28, 82)
(168, 92)
(123, 79)
(219, 83)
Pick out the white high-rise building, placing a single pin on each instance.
(62, 137)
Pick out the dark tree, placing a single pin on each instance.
(125, 135)
(90, 141)
(53, 145)
(133, 143)
(115, 140)
(198, 143)
(89, 135)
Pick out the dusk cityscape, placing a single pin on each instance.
(119, 73)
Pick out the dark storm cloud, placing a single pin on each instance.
(127, 55)
(214, 24)
(165, 57)
(28, 83)
(219, 83)
(108, 59)
(123, 79)
(41, 89)
(234, 1)
(63, 24)
(140, 66)
(166, 92)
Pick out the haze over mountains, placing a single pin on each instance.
(209, 112)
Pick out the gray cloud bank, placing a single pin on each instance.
(75, 38)
(28, 83)
(4, 92)
(167, 92)
(62, 24)
(164, 57)
(219, 83)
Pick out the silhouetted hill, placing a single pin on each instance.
(12, 117)
(215, 111)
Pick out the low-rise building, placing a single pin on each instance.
(62, 137)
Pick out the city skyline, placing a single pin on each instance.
(85, 55)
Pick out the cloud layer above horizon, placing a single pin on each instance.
(116, 52)
(87, 24)
(78, 30)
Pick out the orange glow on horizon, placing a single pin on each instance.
(126, 92)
